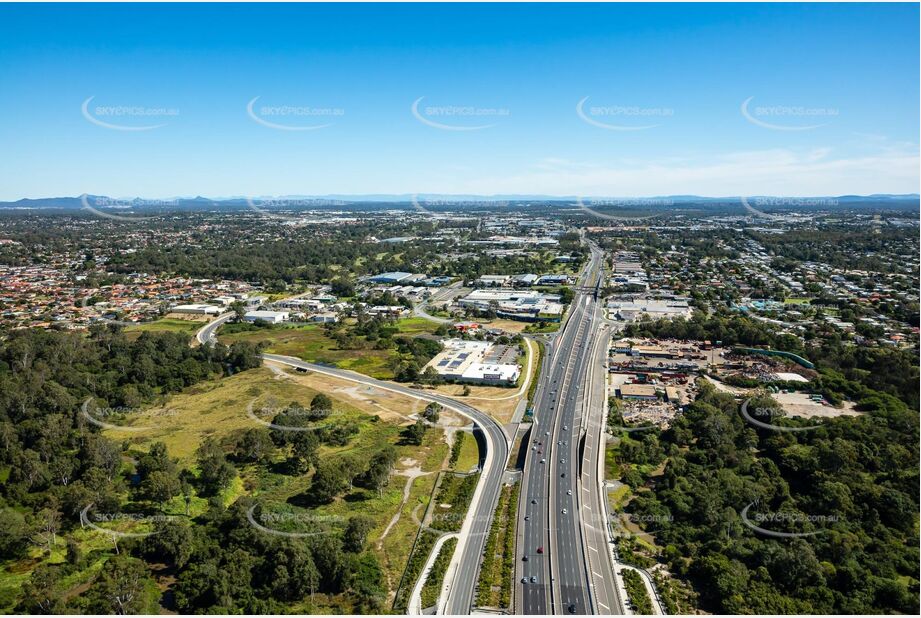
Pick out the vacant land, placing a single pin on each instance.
(219, 409)
(172, 325)
(313, 343)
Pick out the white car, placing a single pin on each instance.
(568, 492)
(564, 511)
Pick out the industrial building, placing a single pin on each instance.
(394, 277)
(522, 305)
(197, 309)
(629, 310)
(272, 317)
(476, 362)
(645, 392)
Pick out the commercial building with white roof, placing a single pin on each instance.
(462, 361)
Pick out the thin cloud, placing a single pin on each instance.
(768, 172)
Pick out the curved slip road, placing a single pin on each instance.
(461, 577)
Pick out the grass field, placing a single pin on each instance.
(469, 454)
(310, 342)
(168, 325)
(219, 409)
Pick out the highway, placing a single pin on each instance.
(461, 577)
(558, 572)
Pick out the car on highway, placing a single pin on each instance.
(572, 608)
(540, 549)
(563, 475)
(563, 511)
(533, 500)
(562, 461)
(524, 558)
(524, 580)
(568, 492)
(565, 427)
(533, 579)
(543, 461)
(527, 518)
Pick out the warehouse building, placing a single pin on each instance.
(475, 362)
(197, 309)
(272, 317)
(394, 277)
(644, 392)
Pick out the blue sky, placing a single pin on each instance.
(832, 91)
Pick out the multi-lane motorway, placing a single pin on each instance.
(564, 561)
(557, 574)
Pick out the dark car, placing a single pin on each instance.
(572, 608)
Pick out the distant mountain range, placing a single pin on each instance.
(454, 202)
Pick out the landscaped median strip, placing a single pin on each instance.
(494, 586)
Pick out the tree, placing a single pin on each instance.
(254, 446)
(342, 287)
(173, 541)
(46, 524)
(432, 412)
(215, 472)
(329, 480)
(40, 594)
(377, 475)
(161, 486)
(123, 587)
(356, 532)
(155, 460)
(364, 581)
(415, 433)
(239, 310)
(320, 406)
(304, 447)
(14, 534)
